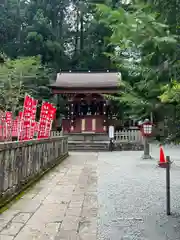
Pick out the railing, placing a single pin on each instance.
(21, 163)
(130, 135)
(126, 135)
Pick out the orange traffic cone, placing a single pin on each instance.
(162, 160)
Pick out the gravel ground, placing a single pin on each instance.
(132, 197)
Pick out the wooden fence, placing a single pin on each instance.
(129, 135)
(126, 135)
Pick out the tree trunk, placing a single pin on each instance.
(60, 32)
(19, 27)
(77, 32)
(81, 32)
(81, 29)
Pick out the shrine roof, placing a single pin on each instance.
(86, 80)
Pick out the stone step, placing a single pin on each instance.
(88, 142)
(84, 146)
(87, 150)
(103, 146)
(87, 146)
(90, 145)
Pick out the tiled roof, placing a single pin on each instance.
(87, 80)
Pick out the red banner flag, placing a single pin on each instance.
(49, 121)
(2, 125)
(8, 126)
(34, 108)
(25, 133)
(33, 118)
(15, 127)
(20, 123)
(43, 120)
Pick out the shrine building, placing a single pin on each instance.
(87, 109)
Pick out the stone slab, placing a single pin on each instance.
(12, 229)
(22, 217)
(5, 237)
(52, 209)
(42, 232)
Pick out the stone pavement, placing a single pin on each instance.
(104, 196)
(63, 205)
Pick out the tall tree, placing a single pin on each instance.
(142, 47)
(66, 33)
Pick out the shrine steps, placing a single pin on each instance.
(93, 146)
(98, 146)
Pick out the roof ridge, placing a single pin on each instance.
(87, 80)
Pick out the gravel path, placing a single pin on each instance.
(131, 196)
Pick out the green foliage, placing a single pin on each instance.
(143, 45)
(145, 37)
(65, 33)
(20, 76)
(171, 93)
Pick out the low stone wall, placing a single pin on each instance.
(21, 163)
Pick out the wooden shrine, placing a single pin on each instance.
(88, 111)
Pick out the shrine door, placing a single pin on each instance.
(92, 124)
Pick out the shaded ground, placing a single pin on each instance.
(116, 193)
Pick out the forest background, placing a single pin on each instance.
(39, 38)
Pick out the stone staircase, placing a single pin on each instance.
(98, 146)
(92, 146)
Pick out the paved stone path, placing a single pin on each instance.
(103, 196)
(63, 205)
